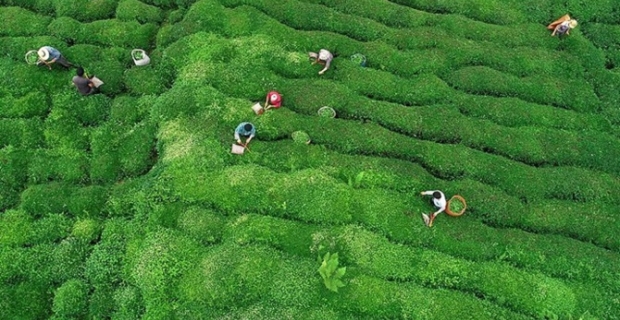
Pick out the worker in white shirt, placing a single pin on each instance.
(439, 201)
(324, 58)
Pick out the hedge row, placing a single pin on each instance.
(450, 25)
(549, 149)
(112, 32)
(19, 22)
(522, 291)
(55, 197)
(62, 164)
(85, 10)
(128, 10)
(570, 94)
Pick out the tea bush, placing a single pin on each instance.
(21, 22)
(70, 299)
(128, 10)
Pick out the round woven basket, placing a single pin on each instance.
(327, 112)
(32, 57)
(459, 213)
(300, 137)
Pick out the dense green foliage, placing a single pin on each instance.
(128, 204)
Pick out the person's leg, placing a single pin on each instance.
(63, 62)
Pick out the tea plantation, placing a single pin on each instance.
(128, 204)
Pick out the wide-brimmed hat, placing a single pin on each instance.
(572, 23)
(43, 53)
(313, 55)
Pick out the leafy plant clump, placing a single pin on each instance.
(330, 272)
(456, 206)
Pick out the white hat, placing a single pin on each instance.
(43, 53)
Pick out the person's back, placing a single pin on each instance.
(82, 83)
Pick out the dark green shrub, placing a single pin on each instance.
(21, 22)
(39, 200)
(66, 28)
(85, 10)
(49, 229)
(136, 149)
(87, 110)
(70, 299)
(33, 104)
(130, 34)
(68, 165)
(101, 303)
(135, 10)
(103, 267)
(88, 202)
(68, 259)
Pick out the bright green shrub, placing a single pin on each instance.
(130, 110)
(156, 266)
(128, 10)
(50, 229)
(86, 230)
(16, 47)
(39, 200)
(205, 226)
(290, 236)
(20, 132)
(128, 303)
(15, 228)
(70, 299)
(41, 6)
(85, 10)
(121, 34)
(33, 104)
(68, 259)
(21, 22)
(103, 267)
(136, 149)
(167, 4)
(144, 80)
(87, 110)
(125, 197)
(62, 130)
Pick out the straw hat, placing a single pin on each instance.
(572, 23)
(313, 55)
(43, 53)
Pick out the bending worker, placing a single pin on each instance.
(439, 201)
(49, 55)
(324, 57)
(244, 129)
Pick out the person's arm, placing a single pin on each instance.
(555, 29)
(237, 137)
(426, 193)
(327, 63)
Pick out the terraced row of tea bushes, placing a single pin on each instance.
(574, 95)
(512, 112)
(563, 217)
(128, 10)
(390, 261)
(85, 10)
(519, 62)
(439, 159)
(18, 22)
(111, 32)
(472, 134)
(240, 269)
(42, 199)
(453, 25)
